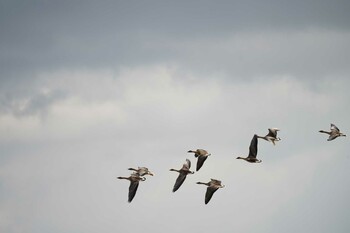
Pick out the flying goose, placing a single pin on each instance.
(134, 179)
(334, 133)
(213, 185)
(142, 171)
(253, 151)
(271, 136)
(183, 172)
(202, 155)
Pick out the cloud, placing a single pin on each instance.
(98, 97)
(306, 54)
(107, 121)
(163, 99)
(282, 38)
(88, 90)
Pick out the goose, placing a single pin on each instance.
(202, 155)
(253, 151)
(142, 171)
(213, 185)
(334, 133)
(134, 179)
(183, 172)
(271, 136)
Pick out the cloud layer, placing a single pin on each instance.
(88, 90)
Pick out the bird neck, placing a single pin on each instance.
(322, 131)
(202, 183)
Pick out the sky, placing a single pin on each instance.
(91, 88)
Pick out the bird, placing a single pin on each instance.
(183, 172)
(213, 185)
(334, 133)
(271, 136)
(142, 171)
(134, 179)
(202, 155)
(253, 151)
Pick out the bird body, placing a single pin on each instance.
(253, 151)
(142, 171)
(183, 172)
(134, 179)
(334, 133)
(213, 185)
(271, 136)
(202, 155)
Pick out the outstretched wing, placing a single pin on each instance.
(332, 137)
(208, 195)
(132, 190)
(202, 152)
(253, 148)
(179, 181)
(216, 182)
(187, 165)
(334, 127)
(200, 161)
(272, 132)
(142, 171)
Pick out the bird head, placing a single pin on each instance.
(150, 173)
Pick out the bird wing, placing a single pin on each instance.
(334, 128)
(209, 193)
(332, 136)
(142, 171)
(200, 161)
(216, 182)
(180, 179)
(253, 148)
(202, 152)
(132, 190)
(272, 132)
(187, 165)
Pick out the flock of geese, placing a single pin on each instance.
(201, 155)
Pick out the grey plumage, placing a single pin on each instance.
(334, 133)
(271, 136)
(201, 156)
(183, 172)
(253, 151)
(134, 179)
(213, 186)
(142, 171)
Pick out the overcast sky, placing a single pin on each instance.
(91, 88)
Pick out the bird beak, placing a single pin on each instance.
(151, 173)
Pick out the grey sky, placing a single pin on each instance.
(90, 88)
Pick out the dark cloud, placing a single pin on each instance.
(40, 35)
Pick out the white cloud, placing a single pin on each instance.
(151, 116)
